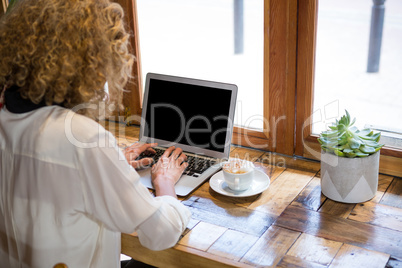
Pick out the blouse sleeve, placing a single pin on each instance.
(114, 195)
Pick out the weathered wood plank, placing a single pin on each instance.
(189, 227)
(383, 183)
(290, 162)
(311, 196)
(192, 223)
(338, 209)
(343, 230)
(273, 172)
(378, 214)
(392, 196)
(315, 249)
(132, 132)
(233, 245)
(394, 262)
(377, 198)
(294, 262)
(271, 247)
(352, 256)
(229, 216)
(282, 192)
(170, 258)
(246, 154)
(202, 236)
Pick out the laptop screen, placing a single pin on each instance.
(189, 112)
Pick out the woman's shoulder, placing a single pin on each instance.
(77, 128)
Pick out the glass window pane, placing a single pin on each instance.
(195, 38)
(341, 77)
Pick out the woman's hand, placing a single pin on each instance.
(168, 170)
(133, 152)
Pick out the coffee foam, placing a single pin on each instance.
(237, 166)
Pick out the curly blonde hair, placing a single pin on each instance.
(63, 51)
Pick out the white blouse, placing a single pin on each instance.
(67, 193)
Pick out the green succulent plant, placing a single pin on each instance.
(344, 139)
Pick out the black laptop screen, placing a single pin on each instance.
(188, 114)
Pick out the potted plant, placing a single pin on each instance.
(349, 161)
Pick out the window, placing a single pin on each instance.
(218, 40)
(306, 141)
(346, 77)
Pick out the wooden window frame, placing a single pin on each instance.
(290, 28)
(280, 46)
(132, 98)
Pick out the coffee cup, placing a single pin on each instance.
(238, 174)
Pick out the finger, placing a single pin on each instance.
(147, 146)
(134, 164)
(140, 147)
(147, 161)
(168, 151)
(176, 153)
(133, 146)
(141, 163)
(182, 158)
(183, 166)
(135, 151)
(150, 151)
(164, 162)
(152, 144)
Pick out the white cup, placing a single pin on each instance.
(238, 174)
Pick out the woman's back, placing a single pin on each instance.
(42, 206)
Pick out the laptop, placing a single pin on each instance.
(194, 115)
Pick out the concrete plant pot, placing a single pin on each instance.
(349, 180)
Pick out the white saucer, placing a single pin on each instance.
(260, 183)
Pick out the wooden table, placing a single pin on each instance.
(291, 223)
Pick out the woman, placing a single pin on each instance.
(67, 191)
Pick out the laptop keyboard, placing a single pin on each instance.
(196, 165)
